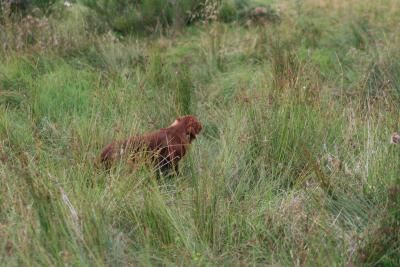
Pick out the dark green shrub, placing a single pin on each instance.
(23, 6)
(228, 12)
(128, 16)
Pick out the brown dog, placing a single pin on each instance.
(164, 147)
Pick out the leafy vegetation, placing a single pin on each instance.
(294, 166)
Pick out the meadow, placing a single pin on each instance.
(294, 166)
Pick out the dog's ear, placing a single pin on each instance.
(191, 133)
(193, 129)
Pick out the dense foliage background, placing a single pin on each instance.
(294, 167)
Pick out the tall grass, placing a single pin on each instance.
(294, 166)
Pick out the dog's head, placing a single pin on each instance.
(190, 124)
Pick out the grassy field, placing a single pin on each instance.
(294, 166)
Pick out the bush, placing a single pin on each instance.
(24, 6)
(128, 16)
(60, 29)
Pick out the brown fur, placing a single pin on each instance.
(164, 147)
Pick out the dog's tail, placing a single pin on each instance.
(106, 157)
